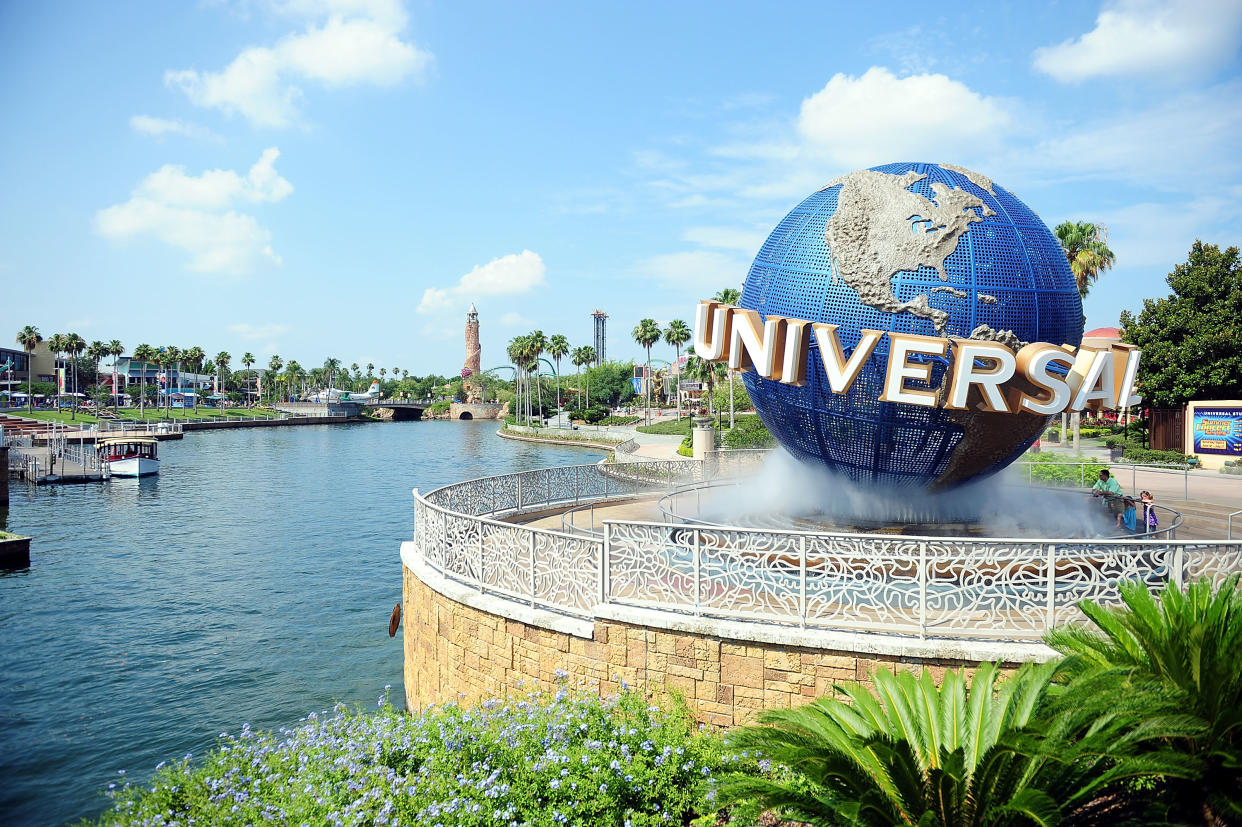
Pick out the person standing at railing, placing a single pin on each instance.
(1149, 511)
(1108, 488)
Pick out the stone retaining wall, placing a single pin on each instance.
(456, 652)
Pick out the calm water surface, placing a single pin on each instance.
(250, 582)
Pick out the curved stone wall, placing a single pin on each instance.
(463, 646)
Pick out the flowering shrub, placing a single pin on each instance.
(543, 759)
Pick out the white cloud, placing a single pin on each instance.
(359, 43)
(184, 211)
(505, 276)
(880, 118)
(1148, 38)
(159, 127)
(267, 330)
(217, 188)
(695, 270)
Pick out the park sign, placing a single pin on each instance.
(1004, 381)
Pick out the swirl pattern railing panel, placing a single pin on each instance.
(930, 587)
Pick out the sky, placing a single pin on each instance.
(342, 178)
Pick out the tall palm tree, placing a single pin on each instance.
(588, 351)
(74, 346)
(1086, 247)
(677, 334)
(1177, 656)
(57, 343)
(194, 357)
(144, 355)
(97, 350)
(578, 358)
(706, 372)
(537, 345)
(966, 752)
(115, 349)
(516, 351)
(247, 360)
(29, 338)
(647, 333)
(274, 365)
(222, 370)
(293, 374)
(383, 372)
(370, 369)
(558, 346)
(171, 356)
(331, 366)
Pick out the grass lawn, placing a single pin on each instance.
(152, 415)
(682, 426)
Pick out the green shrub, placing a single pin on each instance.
(1050, 469)
(591, 415)
(441, 407)
(686, 449)
(749, 433)
(619, 420)
(540, 759)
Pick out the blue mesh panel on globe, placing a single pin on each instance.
(1010, 256)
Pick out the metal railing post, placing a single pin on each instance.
(1186, 483)
(802, 580)
(1050, 599)
(698, 563)
(1133, 478)
(531, 535)
(923, 590)
(519, 493)
(605, 558)
(1179, 561)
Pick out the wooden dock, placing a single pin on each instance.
(42, 465)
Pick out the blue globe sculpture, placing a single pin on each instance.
(930, 249)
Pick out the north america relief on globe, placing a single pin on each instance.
(929, 249)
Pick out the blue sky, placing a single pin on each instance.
(342, 178)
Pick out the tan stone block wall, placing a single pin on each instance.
(454, 652)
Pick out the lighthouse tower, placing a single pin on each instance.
(472, 387)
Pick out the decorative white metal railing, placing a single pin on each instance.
(926, 587)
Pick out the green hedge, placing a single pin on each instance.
(1134, 451)
(749, 433)
(1050, 469)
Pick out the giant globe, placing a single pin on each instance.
(930, 249)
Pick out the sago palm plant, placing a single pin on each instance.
(960, 754)
(1179, 655)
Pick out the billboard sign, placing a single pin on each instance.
(1218, 431)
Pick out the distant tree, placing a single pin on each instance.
(144, 355)
(74, 346)
(558, 346)
(331, 366)
(370, 369)
(677, 334)
(647, 333)
(57, 343)
(115, 348)
(707, 372)
(1086, 247)
(1190, 339)
(274, 365)
(194, 357)
(97, 350)
(579, 358)
(247, 360)
(729, 296)
(536, 346)
(170, 355)
(29, 338)
(222, 365)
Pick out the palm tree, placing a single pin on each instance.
(247, 360)
(537, 345)
(558, 346)
(222, 368)
(115, 348)
(677, 334)
(74, 346)
(589, 352)
(383, 373)
(370, 369)
(96, 350)
(144, 355)
(1086, 247)
(274, 365)
(578, 359)
(971, 752)
(1174, 657)
(56, 343)
(194, 357)
(706, 372)
(29, 338)
(169, 356)
(516, 352)
(331, 366)
(647, 333)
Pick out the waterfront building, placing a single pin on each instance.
(42, 363)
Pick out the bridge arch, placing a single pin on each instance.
(466, 415)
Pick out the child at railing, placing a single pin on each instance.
(1149, 511)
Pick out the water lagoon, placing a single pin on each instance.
(251, 582)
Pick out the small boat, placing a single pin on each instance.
(129, 456)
